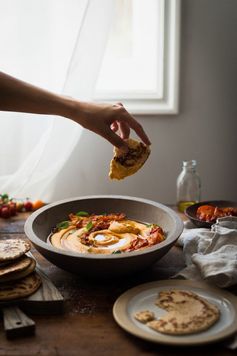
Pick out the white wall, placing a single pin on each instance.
(205, 129)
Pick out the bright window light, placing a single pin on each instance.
(130, 62)
(140, 65)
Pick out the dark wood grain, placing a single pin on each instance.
(16, 323)
(87, 326)
(14, 225)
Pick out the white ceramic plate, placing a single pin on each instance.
(143, 297)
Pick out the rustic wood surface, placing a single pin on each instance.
(16, 323)
(87, 326)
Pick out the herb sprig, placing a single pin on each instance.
(89, 226)
(82, 213)
(63, 225)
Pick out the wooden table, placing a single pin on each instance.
(87, 327)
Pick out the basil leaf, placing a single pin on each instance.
(89, 226)
(63, 225)
(151, 225)
(82, 213)
(116, 252)
(5, 197)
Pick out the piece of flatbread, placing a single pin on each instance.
(187, 313)
(15, 275)
(144, 316)
(15, 266)
(6, 263)
(12, 249)
(126, 164)
(21, 288)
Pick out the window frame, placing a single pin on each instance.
(166, 100)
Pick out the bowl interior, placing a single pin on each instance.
(39, 225)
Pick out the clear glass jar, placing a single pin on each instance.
(188, 186)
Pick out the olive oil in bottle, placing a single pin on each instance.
(188, 186)
(182, 205)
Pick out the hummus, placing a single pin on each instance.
(102, 235)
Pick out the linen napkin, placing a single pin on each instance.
(211, 254)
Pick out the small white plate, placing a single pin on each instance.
(143, 297)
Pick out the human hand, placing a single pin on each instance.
(103, 119)
(106, 120)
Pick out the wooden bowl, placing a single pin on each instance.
(191, 211)
(39, 225)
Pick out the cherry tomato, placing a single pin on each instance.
(37, 204)
(12, 208)
(19, 206)
(28, 205)
(5, 212)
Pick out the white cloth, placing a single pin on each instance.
(211, 254)
(58, 45)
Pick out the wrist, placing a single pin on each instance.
(67, 107)
(73, 109)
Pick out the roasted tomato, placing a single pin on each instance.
(205, 212)
(210, 213)
(156, 235)
(230, 211)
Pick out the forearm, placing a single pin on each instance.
(19, 96)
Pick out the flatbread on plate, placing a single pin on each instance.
(125, 164)
(144, 316)
(187, 313)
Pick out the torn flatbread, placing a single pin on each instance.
(187, 313)
(125, 164)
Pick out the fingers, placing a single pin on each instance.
(124, 121)
(124, 129)
(135, 126)
(140, 132)
(115, 140)
(121, 125)
(114, 126)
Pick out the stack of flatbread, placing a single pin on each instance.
(18, 277)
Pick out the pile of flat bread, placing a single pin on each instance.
(18, 277)
(187, 313)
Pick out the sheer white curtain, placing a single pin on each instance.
(58, 45)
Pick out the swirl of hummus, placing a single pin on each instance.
(107, 242)
(103, 238)
(118, 237)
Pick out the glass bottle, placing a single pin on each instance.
(188, 186)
